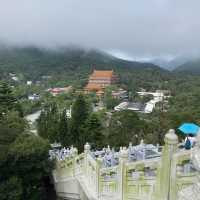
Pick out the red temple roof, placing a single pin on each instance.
(102, 73)
(99, 79)
(93, 86)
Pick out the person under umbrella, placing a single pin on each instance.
(190, 130)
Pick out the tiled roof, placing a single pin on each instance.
(102, 73)
(93, 86)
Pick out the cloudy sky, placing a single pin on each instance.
(127, 28)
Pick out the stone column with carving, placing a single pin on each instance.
(123, 158)
(86, 151)
(166, 179)
(98, 176)
(74, 154)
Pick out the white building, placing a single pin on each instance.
(158, 96)
(34, 97)
(15, 78)
(134, 106)
(69, 112)
(29, 83)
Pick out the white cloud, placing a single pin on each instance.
(139, 28)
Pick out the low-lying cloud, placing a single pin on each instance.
(144, 28)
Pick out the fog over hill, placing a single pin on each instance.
(171, 64)
(192, 67)
(142, 29)
(34, 62)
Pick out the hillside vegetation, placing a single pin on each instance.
(72, 66)
(192, 67)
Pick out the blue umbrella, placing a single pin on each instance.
(189, 128)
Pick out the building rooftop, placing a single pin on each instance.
(100, 79)
(102, 73)
(93, 86)
(134, 106)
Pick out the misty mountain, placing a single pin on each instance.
(191, 67)
(73, 66)
(31, 59)
(171, 64)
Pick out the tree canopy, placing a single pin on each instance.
(26, 166)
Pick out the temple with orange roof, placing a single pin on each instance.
(99, 80)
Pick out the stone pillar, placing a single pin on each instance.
(98, 176)
(74, 154)
(87, 148)
(123, 158)
(86, 151)
(166, 179)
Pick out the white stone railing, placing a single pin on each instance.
(153, 179)
(79, 164)
(109, 182)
